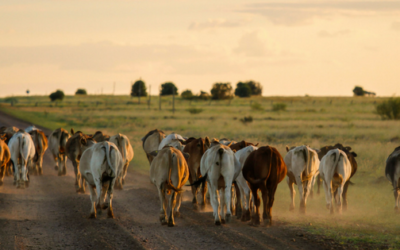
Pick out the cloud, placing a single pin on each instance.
(327, 34)
(212, 24)
(296, 13)
(396, 26)
(258, 44)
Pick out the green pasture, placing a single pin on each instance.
(315, 121)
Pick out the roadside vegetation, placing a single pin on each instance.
(315, 121)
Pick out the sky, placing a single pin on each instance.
(293, 48)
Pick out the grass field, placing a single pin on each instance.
(315, 121)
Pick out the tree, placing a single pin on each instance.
(204, 95)
(81, 92)
(221, 91)
(256, 88)
(242, 90)
(358, 91)
(58, 95)
(187, 94)
(169, 88)
(139, 87)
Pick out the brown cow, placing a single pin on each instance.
(151, 141)
(351, 156)
(41, 145)
(239, 145)
(99, 137)
(76, 145)
(5, 157)
(264, 169)
(196, 148)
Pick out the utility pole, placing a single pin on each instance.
(149, 96)
(173, 100)
(159, 100)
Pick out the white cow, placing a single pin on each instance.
(335, 170)
(170, 138)
(302, 166)
(126, 150)
(100, 165)
(219, 167)
(169, 172)
(31, 128)
(22, 151)
(241, 156)
(57, 146)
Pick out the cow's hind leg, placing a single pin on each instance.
(215, 202)
(203, 195)
(344, 198)
(172, 203)
(104, 204)
(271, 189)
(110, 212)
(256, 200)
(318, 183)
(2, 172)
(161, 195)
(93, 198)
(178, 204)
(292, 193)
(223, 203)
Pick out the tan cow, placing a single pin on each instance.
(100, 165)
(196, 148)
(75, 147)
(99, 136)
(41, 145)
(169, 172)
(125, 148)
(151, 141)
(57, 146)
(5, 157)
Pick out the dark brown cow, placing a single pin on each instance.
(151, 141)
(41, 144)
(196, 148)
(76, 144)
(100, 137)
(239, 145)
(5, 157)
(264, 169)
(352, 158)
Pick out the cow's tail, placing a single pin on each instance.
(109, 151)
(22, 142)
(38, 146)
(336, 179)
(123, 145)
(171, 163)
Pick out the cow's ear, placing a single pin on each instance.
(182, 141)
(72, 131)
(287, 149)
(234, 150)
(229, 145)
(348, 148)
(154, 153)
(256, 144)
(354, 154)
(207, 142)
(83, 141)
(186, 155)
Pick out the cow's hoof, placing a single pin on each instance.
(60, 174)
(195, 207)
(163, 221)
(202, 207)
(218, 223)
(92, 216)
(1, 183)
(171, 224)
(228, 217)
(291, 208)
(104, 206)
(56, 168)
(26, 184)
(177, 214)
(110, 214)
(223, 221)
(328, 206)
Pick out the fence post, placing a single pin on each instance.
(149, 96)
(159, 100)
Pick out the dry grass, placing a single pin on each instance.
(307, 120)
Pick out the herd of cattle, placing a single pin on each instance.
(231, 172)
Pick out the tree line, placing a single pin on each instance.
(219, 90)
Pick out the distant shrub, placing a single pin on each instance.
(389, 109)
(58, 95)
(139, 88)
(10, 100)
(242, 90)
(246, 119)
(169, 88)
(204, 96)
(279, 107)
(221, 91)
(81, 92)
(194, 111)
(187, 95)
(256, 106)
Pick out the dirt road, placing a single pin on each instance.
(49, 214)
